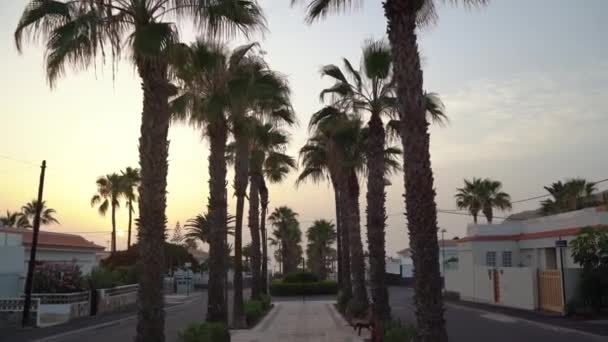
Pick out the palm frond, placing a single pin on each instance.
(39, 18)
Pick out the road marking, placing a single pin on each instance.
(499, 318)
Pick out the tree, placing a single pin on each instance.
(198, 227)
(467, 197)
(207, 74)
(567, 196)
(177, 234)
(590, 250)
(110, 190)
(79, 31)
(287, 236)
(491, 197)
(131, 180)
(14, 220)
(403, 19)
(321, 236)
(28, 211)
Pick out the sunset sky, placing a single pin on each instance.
(525, 84)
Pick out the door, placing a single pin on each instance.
(550, 290)
(496, 279)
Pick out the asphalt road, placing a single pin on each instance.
(466, 324)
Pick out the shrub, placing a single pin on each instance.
(205, 332)
(395, 332)
(342, 301)
(301, 277)
(254, 310)
(327, 287)
(103, 278)
(57, 278)
(266, 302)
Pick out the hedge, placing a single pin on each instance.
(280, 288)
(301, 277)
(205, 332)
(254, 310)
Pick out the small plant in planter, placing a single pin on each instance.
(205, 332)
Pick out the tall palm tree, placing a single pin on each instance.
(403, 20)
(288, 236)
(467, 197)
(131, 180)
(207, 74)
(28, 212)
(79, 31)
(14, 220)
(567, 196)
(321, 235)
(199, 226)
(492, 197)
(110, 190)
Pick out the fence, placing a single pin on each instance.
(57, 308)
(11, 312)
(116, 298)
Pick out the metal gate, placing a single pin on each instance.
(550, 290)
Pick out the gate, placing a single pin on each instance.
(496, 286)
(550, 290)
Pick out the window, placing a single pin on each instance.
(491, 259)
(507, 259)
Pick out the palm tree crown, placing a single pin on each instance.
(568, 195)
(482, 195)
(47, 215)
(14, 220)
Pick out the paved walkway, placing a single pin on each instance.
(300, 321)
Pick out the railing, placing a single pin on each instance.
(119, 290)
(62, 298)
(17, 304)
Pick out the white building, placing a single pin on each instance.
(517, 263)
(56, 248)
(448, 255)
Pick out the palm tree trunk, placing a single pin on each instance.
(153, 153)
(338, 237)
(357, 262)
(241, 172)
(254, 228)
(376, 216)
(488, 213)
(130, 208)
(347, 289)
(264, 204)
(418, 175)
(217, 211)
(113, 247)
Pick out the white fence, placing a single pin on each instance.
(57, 308)
(11, 310)
(509, 286)
(116, 298)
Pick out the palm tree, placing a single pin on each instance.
(14, 220)
(79, 31)
(321, 235)
(287, 235)
(567, 196)
(467, 197)
(110, 190)
(198, 227)
(131, 180)
(207, 74)
(28, 212)
(492, 197)
(403, 20)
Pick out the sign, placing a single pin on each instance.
(561, 243)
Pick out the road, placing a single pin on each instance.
(466, 324)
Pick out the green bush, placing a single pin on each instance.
(395, 332)
(254, 310)
(327, 287)
(205, 332)
(266, 302)
(301, 277)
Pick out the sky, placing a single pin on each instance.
(524, 84)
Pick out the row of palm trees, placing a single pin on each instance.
(111, 190)
(77, 32)
(23, 219)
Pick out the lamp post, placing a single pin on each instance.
(443, 258)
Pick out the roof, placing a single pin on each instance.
(54, 240)
(198, 254)
(530, 236)
(442, 243)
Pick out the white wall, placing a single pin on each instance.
(85, 259)
(518, 287)
(12, 265)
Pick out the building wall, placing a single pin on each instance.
(85, 259)
(12, 265)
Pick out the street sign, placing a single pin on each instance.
(561, 243)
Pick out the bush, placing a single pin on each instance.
(57, 278)
(395, 332)
(205, 332)
(301, 277)
(254, 310)
(342, 301)
(266, 302)
(280, 288)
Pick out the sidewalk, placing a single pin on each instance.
(596, 327)
(300, 321)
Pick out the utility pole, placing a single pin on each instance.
(32, 262)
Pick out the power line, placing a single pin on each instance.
(17, 160)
